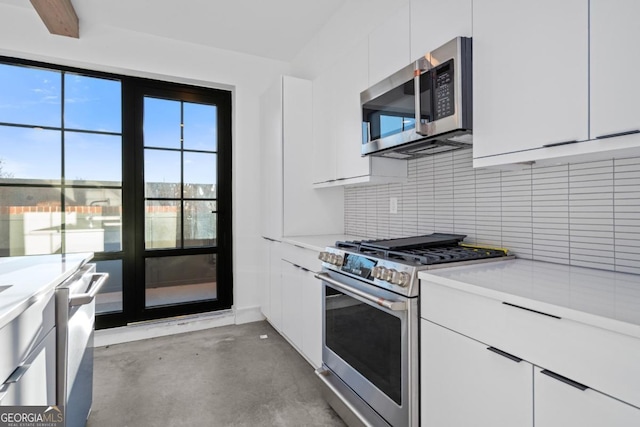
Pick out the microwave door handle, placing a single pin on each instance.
(421, 128)
(416, 88)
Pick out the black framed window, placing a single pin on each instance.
(81, 170)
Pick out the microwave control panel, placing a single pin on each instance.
(443, 99)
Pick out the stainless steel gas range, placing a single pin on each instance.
(370, 326)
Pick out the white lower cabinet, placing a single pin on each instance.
(33, 382)
(271, 290)
(546, 371)
(559, 403)
(292, 289)
(312, 317)
(301, 302)
(467, 383)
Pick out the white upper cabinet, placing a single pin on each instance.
(390, 46)
(324, 155)
(530, 74)
(271, 166)
(352, 78)
(435, 22)
(337, 127)
(290, 205)
(554, 82)
(615, 59)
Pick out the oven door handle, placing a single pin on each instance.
(391, 305)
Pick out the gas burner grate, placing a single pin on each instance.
(440, 255)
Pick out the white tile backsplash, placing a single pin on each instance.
(584, 214)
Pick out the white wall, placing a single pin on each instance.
(103, 48)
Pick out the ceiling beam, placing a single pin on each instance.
(59, 17)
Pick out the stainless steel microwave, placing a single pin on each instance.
(423, 109)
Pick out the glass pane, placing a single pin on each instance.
(162, 173)
(383, 114)
(109, 299)
(362, 336)
(92, 103)
(200, 175)
(161, 123)
(162, 224)
(93, 218)
(200, 127)
(30, 96)
(93, 157)
(30, 219)
(180, 279)
(30, 154)
(200, 223)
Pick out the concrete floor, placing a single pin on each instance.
(224, 376)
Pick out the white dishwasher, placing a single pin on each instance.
(75, 321)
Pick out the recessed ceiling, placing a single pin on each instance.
(276, 29)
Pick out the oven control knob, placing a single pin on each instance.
(324, 256)
(388, 274)
(401, 279)
(378, 272)
(339, 260)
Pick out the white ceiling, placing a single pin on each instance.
(276, 29)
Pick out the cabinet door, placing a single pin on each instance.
(352, 72)
(389, 46)
(292, 303)
(463, 383)
(558, 404)
(324, 155)
(530, 74)
(271, 166)
(274, 285)
(312, 317)
(614, 62)
(435, 22)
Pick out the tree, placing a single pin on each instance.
(4, 174)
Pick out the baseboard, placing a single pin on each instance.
(248, 315)
(163, 327)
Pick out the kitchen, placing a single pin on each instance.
(537, 211)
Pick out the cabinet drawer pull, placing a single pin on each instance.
(555, 144)
(505, 354)
(611, 135)
(565, 380)
(531, 310)
(18, 373)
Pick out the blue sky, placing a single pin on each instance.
(33, 96)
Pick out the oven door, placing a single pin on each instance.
(370, 343)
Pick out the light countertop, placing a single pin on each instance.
(319, 242)
(605, 299)
(30, 277)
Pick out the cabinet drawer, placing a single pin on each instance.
(34, 383)
(302, 257)
(601, 359)
(23, 333)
